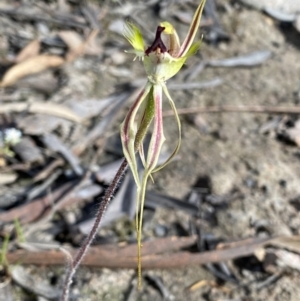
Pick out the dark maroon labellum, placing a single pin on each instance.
(158, 43)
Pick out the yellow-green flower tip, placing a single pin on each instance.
(133, 36)
(169, 29)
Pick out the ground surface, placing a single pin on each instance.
(256, 169)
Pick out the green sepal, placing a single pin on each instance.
(128, 132)
(165, 89)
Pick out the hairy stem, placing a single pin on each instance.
(110, 192)
(74, 264)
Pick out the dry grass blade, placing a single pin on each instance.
(33, 65)
(237, 109)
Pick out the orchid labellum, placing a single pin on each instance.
(162, 60)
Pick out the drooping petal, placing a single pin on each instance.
(128, 132)
(192, 30)
(165, 89)
(153, 153)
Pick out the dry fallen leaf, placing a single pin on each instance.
(7, 178)
(30, 50)
(72, 39)
(30, 66)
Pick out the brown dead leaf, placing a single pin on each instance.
(30, 66)
(30, 50)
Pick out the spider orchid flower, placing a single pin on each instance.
(162, 60)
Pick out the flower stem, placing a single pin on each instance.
(109, 194)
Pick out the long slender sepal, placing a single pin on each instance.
(128, 133)
(157, 138)
(143, 123)
(165, 89)
(153, 153)
(192, 30)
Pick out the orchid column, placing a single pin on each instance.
(162, 60)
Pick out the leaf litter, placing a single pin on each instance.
(54, 180)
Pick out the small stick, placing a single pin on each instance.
(86, 244)
(236, 109)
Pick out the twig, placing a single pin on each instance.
(48, 170)
(236, 109)
(27, 213)
(86, 244)
(124, 257)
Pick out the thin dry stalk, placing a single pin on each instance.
(236, 109)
